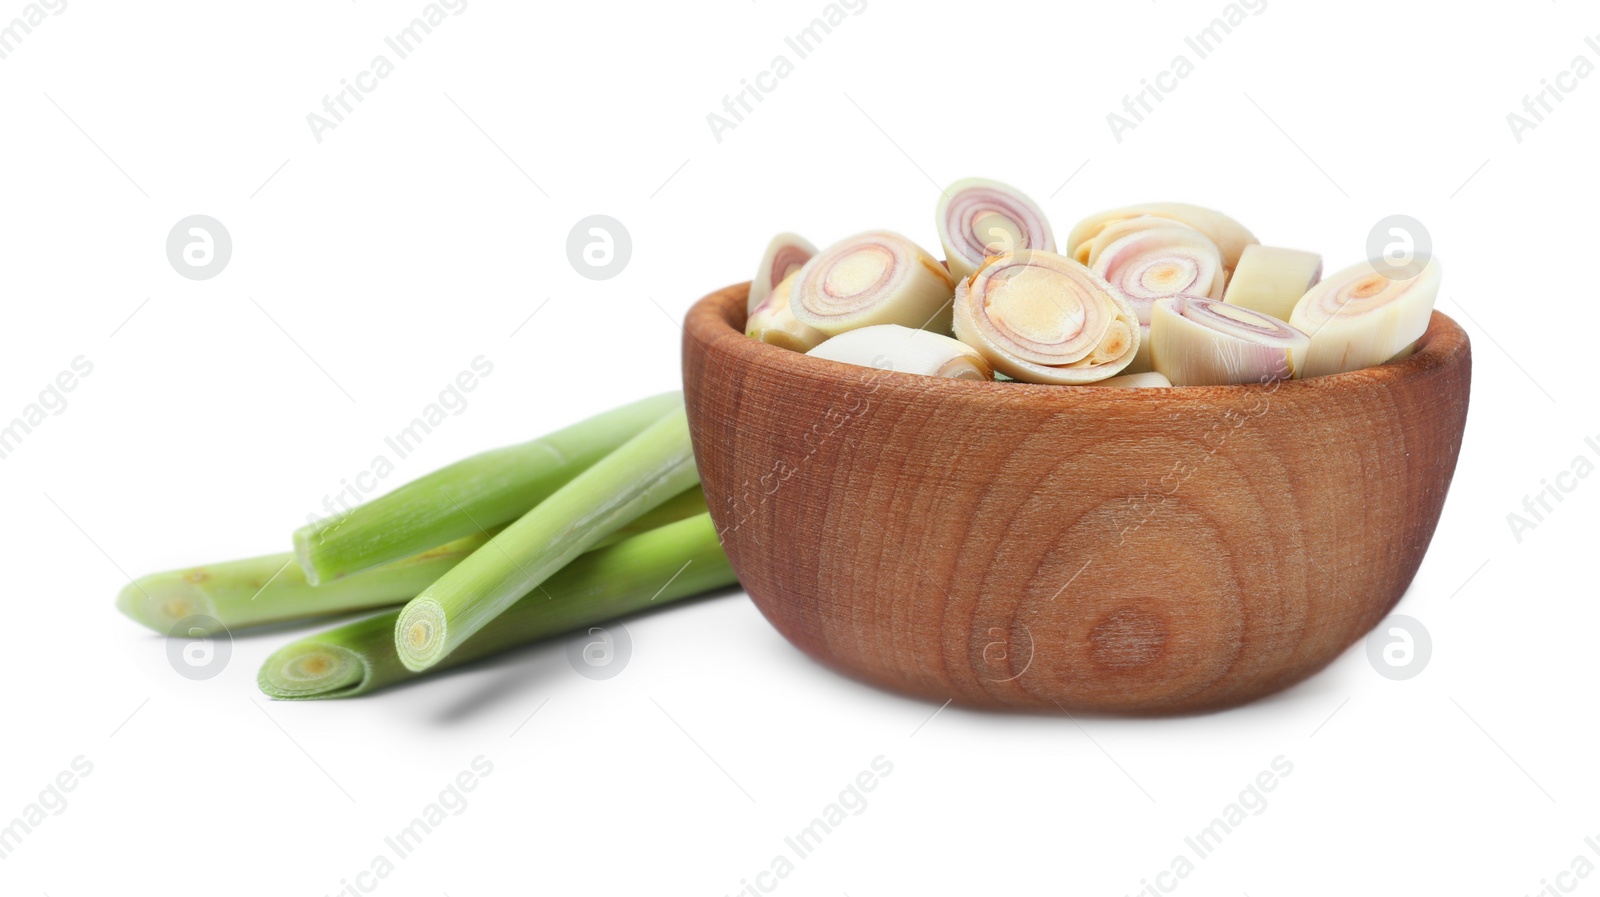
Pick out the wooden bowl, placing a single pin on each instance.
(1011, 545)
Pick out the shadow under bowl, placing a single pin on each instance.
(1031, 547)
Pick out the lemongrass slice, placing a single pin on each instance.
(1146, 380)
(1090, 251)
(784, 255)
(1203, 342)
(1043, 318)
(892, 347)
(878, 277)
(1271, 279)
(1151, 260)
(1358, 317)
(1161, 262)
(978, 218)
(774, 321)
(1230, 236)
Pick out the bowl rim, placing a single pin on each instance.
(719, 315)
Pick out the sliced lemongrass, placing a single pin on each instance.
(1230, 236)
(784, 255)
(978, 218)
(878, 277)
(1043, 318)
(640, 475)
(1358, 317)
(773, 322)
(1203, 342)
(658, 567)
(892, 347)
(1271, 279)
(1146, 380)
(1090, 251)
(273, 589)
(482, 491)
(1161, 262)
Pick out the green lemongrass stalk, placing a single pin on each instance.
(688, 503)
(664, 565)
(468, 496)
(636, 478)
(272, 588)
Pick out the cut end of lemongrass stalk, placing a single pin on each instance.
(1230, 236)
(420, 634)
(1146, 380)
(784, 255)
(977, 218)
(878, 277)
(1203, 342)
(306, 556)
(160, 600)
(774, 323)
(1043, 318)
(1271, 279)
(1359, 317)
(891, 347)
(311, 669)
(1161, 261)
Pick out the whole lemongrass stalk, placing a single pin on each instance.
(664, 565)
(639, 476)
(272, 588)
(468, 496)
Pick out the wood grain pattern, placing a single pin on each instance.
(1017, 546)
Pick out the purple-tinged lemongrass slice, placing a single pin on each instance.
(1043, 318)
(1230, 236)
(1358, 317)
(1090, 251)
(784, 255)
(1149, 262)
(878, 277)
(1162, 261)
(1145, 380)
(773, 322)
(1203, 342)
(1271, 279)
(978, 218)
(891, 347)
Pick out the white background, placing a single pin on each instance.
(369, 268)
